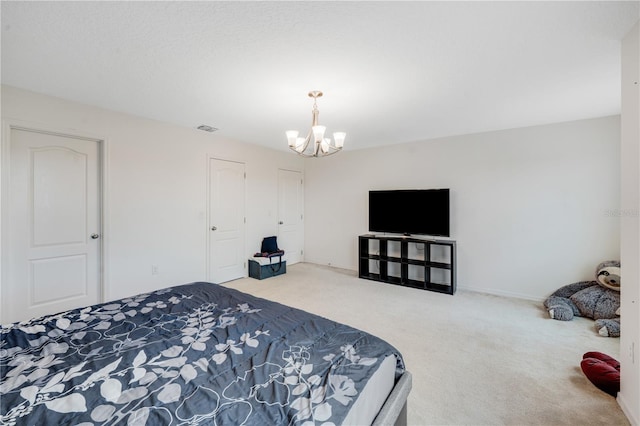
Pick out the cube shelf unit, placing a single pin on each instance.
(408, 261)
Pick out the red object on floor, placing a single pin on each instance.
(603, 371)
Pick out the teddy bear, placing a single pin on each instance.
(599, 300)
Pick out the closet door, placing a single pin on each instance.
(226, 220)
(291, 215)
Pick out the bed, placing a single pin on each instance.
(197, 353)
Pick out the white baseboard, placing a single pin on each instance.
(494, 292)
(626, 410)
(511, 294)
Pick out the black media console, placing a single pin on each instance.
(408, 261)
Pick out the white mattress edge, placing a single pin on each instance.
(374, 394)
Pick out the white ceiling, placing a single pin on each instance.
(391, 72)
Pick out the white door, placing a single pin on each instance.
(290, 215)
(54, 256)
(226, 220)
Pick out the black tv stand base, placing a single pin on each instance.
(407, 261)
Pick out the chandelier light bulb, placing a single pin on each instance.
(292, 135)
(338, 138)
(318, 133)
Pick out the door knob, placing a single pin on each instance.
(281, 222)
(95, 236)
(213, 228)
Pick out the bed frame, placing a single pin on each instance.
(394, 410)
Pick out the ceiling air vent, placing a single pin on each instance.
(206, 128)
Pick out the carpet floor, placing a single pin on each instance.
(476, 359)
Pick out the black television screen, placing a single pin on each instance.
(410, 211)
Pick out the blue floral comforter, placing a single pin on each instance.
(193, 354)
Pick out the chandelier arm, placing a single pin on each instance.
(332, 150)
(306, 143)
(302, 154)
(316, 147)
(335, 151)
(308, 139)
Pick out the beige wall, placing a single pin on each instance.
(532, 209)
(156, 188)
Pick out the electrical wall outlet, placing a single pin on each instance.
(154, 269)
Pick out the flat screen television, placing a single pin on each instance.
(410, 211)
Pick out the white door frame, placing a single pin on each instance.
(5, 181)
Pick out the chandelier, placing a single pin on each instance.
(315, 144)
